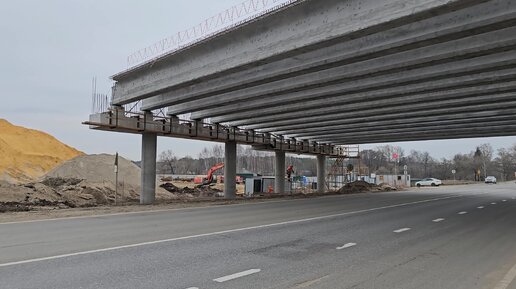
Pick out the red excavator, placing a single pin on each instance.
(209, 176)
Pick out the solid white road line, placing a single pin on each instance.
(224, 232)
(348, 245)
(401, 230)
(438, 220)
(507, 279)
(481, 207)
(462, 213)
(236, 275)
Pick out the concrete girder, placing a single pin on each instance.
(295, 30)
(438, 29)
(365, 100)
(405, 138)
(422, 79)
(409, 130)
(326, 121)
(462, 49)
(401, 85)
(391, 126)
(425, 106)
(353, 123)
(435, 135)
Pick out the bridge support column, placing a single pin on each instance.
(230, 164)
(148, 168)
(321, 173)
(279, 176)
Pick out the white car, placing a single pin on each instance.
(490, 180)
(429, 182)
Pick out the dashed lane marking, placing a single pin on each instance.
(401, 230)
(462, 213)
(438, 220)
(237, 275)
(348, 245)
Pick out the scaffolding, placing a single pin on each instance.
(338, 172)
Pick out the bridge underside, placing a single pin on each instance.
(347, 72)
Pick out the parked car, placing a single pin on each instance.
(429, 182)
(490, 180)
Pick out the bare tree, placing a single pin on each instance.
(486, 157)
(168, 161)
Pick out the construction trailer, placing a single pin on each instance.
(392, 180)
(262, 185)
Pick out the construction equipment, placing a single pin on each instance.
(209, 176)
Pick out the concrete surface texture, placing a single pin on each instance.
(346, 72)
(148, 168)
(446, 237)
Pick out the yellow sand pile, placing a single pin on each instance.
(27, 154)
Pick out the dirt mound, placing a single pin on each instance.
(363, 187)
(98, 169)
(206, 191)
(356, 187)
(27, 154)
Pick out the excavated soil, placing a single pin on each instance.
(27, 154)
(363, 187)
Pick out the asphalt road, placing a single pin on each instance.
(447, 237)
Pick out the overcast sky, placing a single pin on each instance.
(51, 50)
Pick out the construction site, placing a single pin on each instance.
(54, 175)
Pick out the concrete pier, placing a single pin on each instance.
(148, 168)
(230, 170)
(321, 174)
(279, 179)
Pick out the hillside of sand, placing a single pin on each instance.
(27, 154)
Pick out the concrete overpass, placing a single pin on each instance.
(314, 75)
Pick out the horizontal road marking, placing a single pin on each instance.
(504, 200)
(237, 275)
(481, 207)
(438, 220)
(493, 203)
(225, 232)
(401, 230)
(193, 288)
(507, 279)
(348, 245)
(462, 213)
